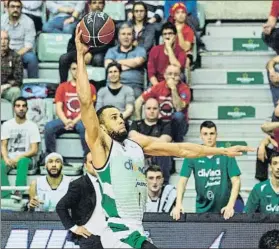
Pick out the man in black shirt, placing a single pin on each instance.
(156, 129)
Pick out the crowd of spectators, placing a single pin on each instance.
(156, 41)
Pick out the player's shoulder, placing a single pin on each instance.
(261, 185)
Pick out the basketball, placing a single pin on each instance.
(97, 29)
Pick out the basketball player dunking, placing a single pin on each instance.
(119, 163)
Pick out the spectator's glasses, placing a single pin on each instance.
(139, 11)
(168, 34)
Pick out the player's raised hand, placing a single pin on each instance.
(81, 48)
(238, 150)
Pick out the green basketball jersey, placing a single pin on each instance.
(123, 183)
(263, 199)
(212, 180)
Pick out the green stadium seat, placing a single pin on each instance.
(52, 46)
(6, 110)
(116, 11)
(49, 70)
(96, 73)
(201, 15)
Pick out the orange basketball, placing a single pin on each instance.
(98, 29)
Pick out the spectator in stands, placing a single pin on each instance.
(273, 77)
(116, 94)
(264, 197)
(270, 34)
(130, 57)
(68, 112)
(156, 129)
(169, 53)
(267, 146)
(20, 140)
(64, 16)
(269, 240)
(86, 220)
(174, 98)
(144, 32)
(46, 191)
(11, 70)
(217, 179)
(95, 58)
(33, 9)
(22, 34)
(161, 198)
(155, 13)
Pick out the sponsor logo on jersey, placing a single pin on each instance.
(130, 166)
(208, 173)
(271, 208)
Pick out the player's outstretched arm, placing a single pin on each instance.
(185, 150)
(94, 136)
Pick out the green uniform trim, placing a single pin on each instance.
(134, 240)
(116, 227)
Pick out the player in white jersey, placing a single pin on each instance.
(119, 163)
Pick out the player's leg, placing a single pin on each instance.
(147, 245)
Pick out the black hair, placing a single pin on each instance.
(9, 1)
(145, 8)
(269, 240)
(208, 124)
(101, 110)
(169, 25)
(273, 154)
(153, 168)
(114, 64)
(20, 99)
(90, 1)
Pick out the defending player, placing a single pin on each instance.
(119, 163)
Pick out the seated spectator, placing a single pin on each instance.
(33, 9)
(270, 33)
(217, 179)
(46, 191)
(144, 32)
(116, 94)
(161, 198)
(80, 210)
(264, 197)
(22, 34)
(130, 58)
(19, 143)
(169, 53)
(64, 16)
(174, 98)
(156, 129)
(11, 70)
(191, 6)
(273, 77)
(68, 112)
(95, 58)
(267, 146)
(155, 10)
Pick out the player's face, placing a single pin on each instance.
(4, 40)
(113, 75)
(73, 70)
(115, 125)
(274, 167)
(151, 108)
(14, 9)
(180, 16)
(97, 5)
(89, 164)
(20, 109)
(154, 181)
(139, 13)
(209, 136)
(54, 167)
(126, 37)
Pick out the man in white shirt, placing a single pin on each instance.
(87, 219)
(20, 140)
(46, 191)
